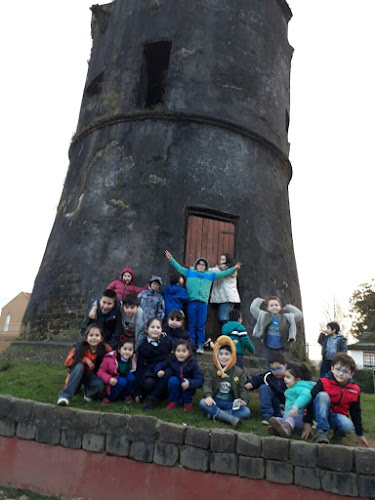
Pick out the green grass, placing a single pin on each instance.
(43, 382)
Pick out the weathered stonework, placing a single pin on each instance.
(223, 114)
(224, 451)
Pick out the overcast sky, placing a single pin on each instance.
(45, 46)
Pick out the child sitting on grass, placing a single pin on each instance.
(297, 395)
(117, 372)
(335, 397)
(152, 383)
(237, 332)
(225, 397)
(186, 376)
(271, 387)
(84, 361)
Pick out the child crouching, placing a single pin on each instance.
(117, 372)
(297, 395)
(225, 396)
(186, 376)
(84, 361)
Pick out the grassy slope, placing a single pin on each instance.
(43, 382)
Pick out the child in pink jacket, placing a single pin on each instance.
(117, 372)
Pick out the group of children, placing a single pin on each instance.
(128, 353)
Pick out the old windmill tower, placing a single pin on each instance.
(181, 143)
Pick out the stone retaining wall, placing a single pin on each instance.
(335, 469)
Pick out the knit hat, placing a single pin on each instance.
(156, 278)
(220, 342)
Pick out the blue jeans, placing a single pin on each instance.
(123, 387)
(326, 420)
(176, 393)
(197, 318)
(269, 403)
(242, 412)
(92, 384)
(296, 423)
(224, 309)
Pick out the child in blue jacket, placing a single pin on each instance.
(198, 284)
(175, 294)
(186, 376)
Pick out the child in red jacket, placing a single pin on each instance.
(335, 397)
(117, 372)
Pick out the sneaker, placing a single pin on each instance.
(87, 399)
(271, 431)
(105, 401)
(171, 406)
(63, 402)
(321, 436)
(129, 400)
(283, 428)
(188, 406)
(265, 422)
(200, 349)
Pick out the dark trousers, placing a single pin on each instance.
(123, 387)
(176, 393)
(156, 387)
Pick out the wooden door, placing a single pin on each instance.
(209, 238)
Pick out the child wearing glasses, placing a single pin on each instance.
(335, 400)
(271, 387)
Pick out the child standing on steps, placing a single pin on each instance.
(117, 372)
(151, 300)
(297, 395)
(275, 326)
(186, 376)
(225, 397)
(332, 342)
(125, 284)
(198, 285)
(84, 361)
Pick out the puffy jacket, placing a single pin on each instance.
(175, 296)
(277, 385)
(152, 303)
(198, 285)
(224, 290)
(189, 370)
(122, 289)
(345, 399)
(236, 331)
(299, 395)
(109, 366)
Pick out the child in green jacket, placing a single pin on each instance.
(237, 333)
(198, 285)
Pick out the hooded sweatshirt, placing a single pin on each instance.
(175, 296)
(122, 289)
(198, 285)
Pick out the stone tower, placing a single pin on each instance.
(183, 125)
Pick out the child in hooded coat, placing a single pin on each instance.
(124, 285)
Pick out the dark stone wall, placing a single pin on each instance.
(218, 143)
